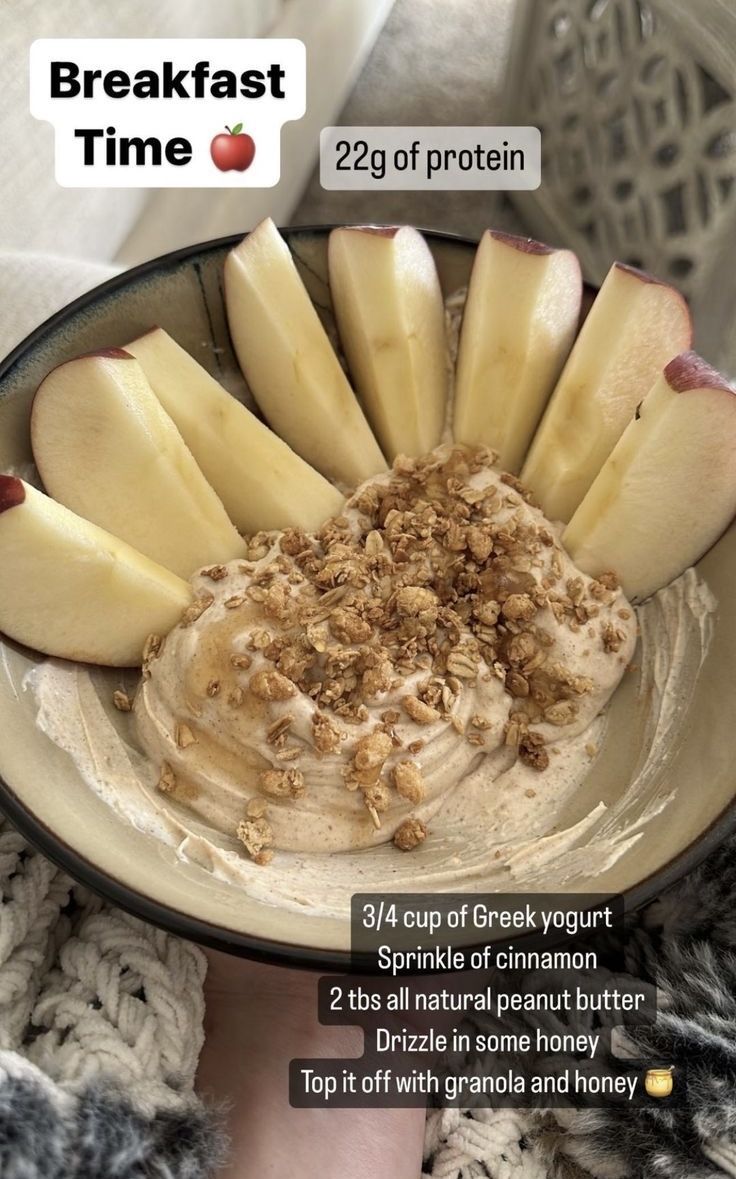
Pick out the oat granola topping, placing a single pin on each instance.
(421, 713)
(196, 610)
(257, 836)
(613, 637)
(409, 782)
(271, 685)
(325, 733)
(283, 783)
(532, 751)
(242, 661)
(152, 648)
(166, 778)
(256, 808)
(372, 751)
(410, 834)
(184, 736)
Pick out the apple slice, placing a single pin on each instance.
(391, 317)
(668, 488)
(260, 480)
(635, 326)
(518, 326)
(106, 449)
(69, 589)
(289, 363)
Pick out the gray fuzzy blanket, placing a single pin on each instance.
(686, 943)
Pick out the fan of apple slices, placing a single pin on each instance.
(153, 470)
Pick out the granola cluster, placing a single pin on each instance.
(433, 580)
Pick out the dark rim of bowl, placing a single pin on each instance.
(173, 920)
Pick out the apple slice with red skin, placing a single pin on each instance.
(70, 589)
(289, 363)
(635, 326)
(519, 323)
(668, 489)
(390, 313)
(261, 481)
(106, 449)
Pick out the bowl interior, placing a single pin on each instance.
(684, 809)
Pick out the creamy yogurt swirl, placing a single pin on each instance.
(339, 685)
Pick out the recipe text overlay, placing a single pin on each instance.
(440, 158)
(487, 1000)
(143, 113)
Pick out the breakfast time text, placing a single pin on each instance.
(155, 113)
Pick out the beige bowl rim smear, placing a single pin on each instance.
(44, 795)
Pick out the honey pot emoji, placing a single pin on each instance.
(658, 1081)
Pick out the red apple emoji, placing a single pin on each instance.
(234, 151)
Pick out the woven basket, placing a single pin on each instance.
(636, 101)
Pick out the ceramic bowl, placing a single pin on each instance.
(46, 798)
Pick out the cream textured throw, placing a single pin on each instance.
(100, 1032)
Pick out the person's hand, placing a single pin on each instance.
(258, 1018)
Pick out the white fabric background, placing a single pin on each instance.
(33, 286)
(92, 223)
